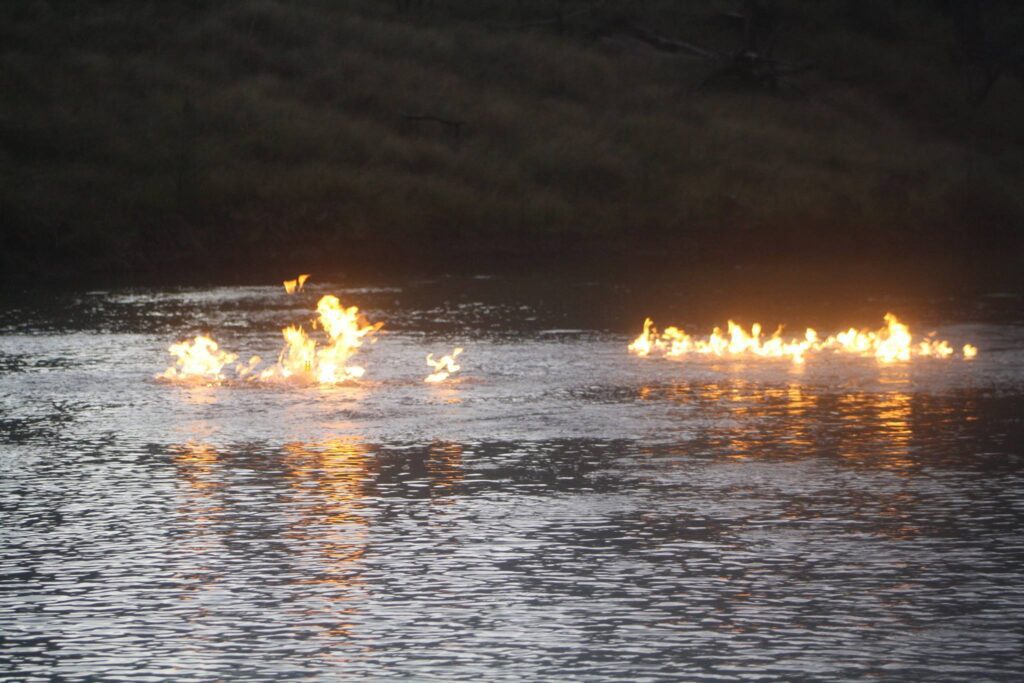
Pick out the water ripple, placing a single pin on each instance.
(566, 512)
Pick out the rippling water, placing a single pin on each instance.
(564, 511)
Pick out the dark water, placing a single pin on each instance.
(564, 512)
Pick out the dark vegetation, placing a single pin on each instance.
(173, 136)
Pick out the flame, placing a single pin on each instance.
(244, 370)
(443, 367)
(292, 286)
(889, 344)
(648, 339)
(346, 329)
(197, 359)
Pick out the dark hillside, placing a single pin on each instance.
(177, 136)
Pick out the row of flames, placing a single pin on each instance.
(303, 358)
(889, 344)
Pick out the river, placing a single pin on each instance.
(563, 511)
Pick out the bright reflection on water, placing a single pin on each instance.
(563, 511)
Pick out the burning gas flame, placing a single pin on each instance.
(443, 367)
(199, 359)
(346, 329)
(888, 344)
(292, 286)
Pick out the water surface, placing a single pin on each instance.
(564, 511)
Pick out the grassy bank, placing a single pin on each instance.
(174, 136)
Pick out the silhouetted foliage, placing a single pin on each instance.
(167, 136)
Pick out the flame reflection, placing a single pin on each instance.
(335, 485)
(444, 470)
(199, 508)
(327, 482)
(196, 464)
(745, 419)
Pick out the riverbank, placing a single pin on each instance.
(156, 140)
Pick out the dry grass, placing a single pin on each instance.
(143, 133)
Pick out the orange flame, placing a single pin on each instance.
(443, 367)
(292, 286)
(346, 329)
(888, 344)
(198, 359)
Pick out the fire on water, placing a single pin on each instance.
(292, 286)
(200, 357)
(889, 344)
(345, 328)
(303, 358)
(444, 366)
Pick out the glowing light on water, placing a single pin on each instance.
(891, 343)
(302, 358)
(292, 286)
(443, 367)
(198, 359)
(345, 327)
